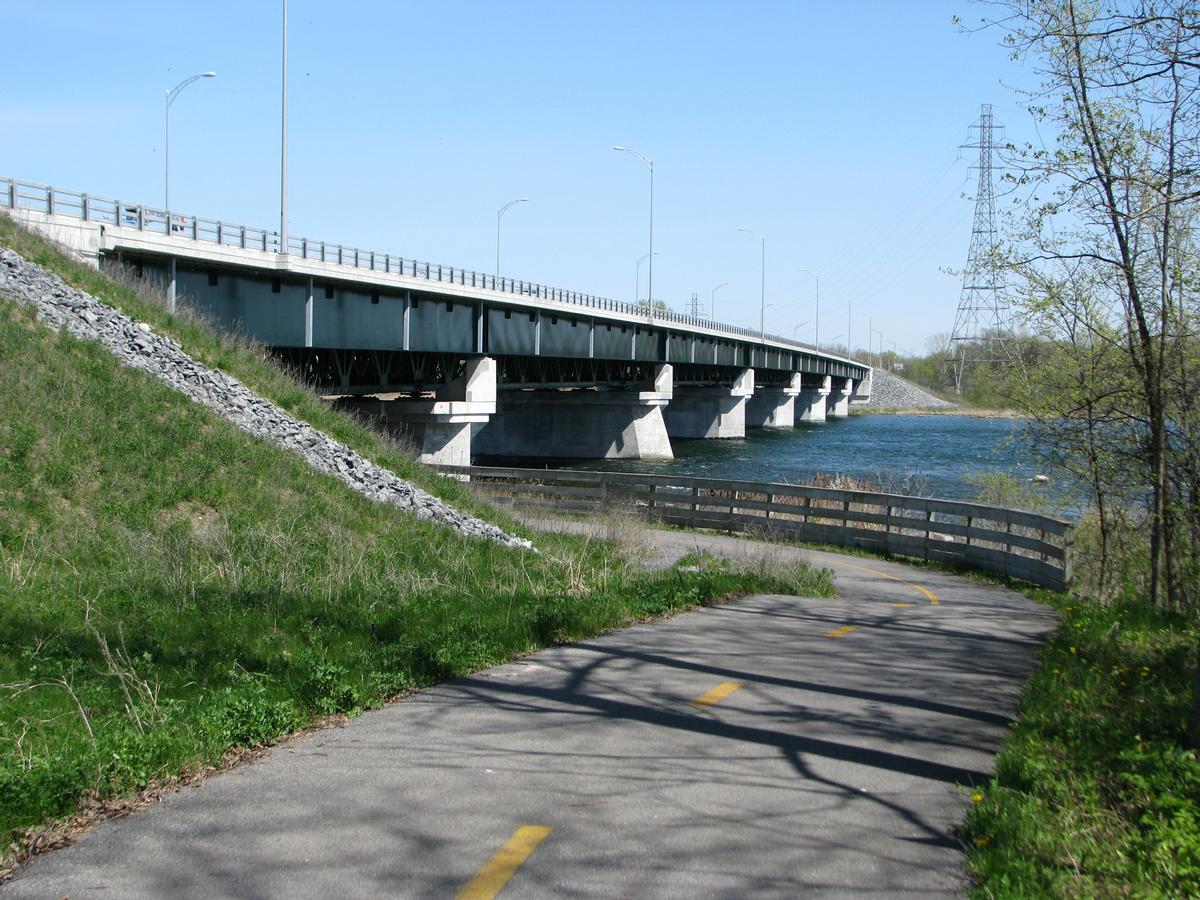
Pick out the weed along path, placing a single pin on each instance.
(772, 746)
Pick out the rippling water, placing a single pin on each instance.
(933, 454)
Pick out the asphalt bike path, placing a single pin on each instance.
(771, 746)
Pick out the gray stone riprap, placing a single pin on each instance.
(136, 344)
(890, 391)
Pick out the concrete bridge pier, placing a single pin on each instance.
(838, 402)
(717, 411)
(581, 423)
(440, 428)
(811, 401)
(773, 406)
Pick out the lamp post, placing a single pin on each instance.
(849, 316)
(500, 212)
(762, 283)
(796, 328)
(637, 283)
(817, 310)
(649, 165)
(283, 138)
(712, 300)
(170, 98)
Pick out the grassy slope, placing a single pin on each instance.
(1096, 791)
(171, 587)
(248, 363)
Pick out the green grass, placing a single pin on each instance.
(171, 587)
(1096, 792)
(247, 362)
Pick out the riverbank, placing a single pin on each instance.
(969, 412)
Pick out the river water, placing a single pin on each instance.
(930, 455)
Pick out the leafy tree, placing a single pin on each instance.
(1103, 248)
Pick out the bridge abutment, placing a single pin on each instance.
(581, 424)
(710, 411)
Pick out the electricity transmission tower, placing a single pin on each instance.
(981, 325)
(694, 307)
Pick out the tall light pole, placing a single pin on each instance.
(283, 140)
(170, 98)
(637, 283)
(712, 300)
(500, 212)
(762, 288)
(849, 316)
(817, 312)
(649, 165)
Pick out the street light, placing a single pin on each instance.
(796, 328)
(170, 98)
(762, 289)
(817, 313)
(649, 165)
(637, 283)
(283, 136)
(712, 300)
(500, 212)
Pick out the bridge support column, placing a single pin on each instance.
(773, 406)
(811, 402)
(838, 403)
(710, 411)
(441, 429)
(581, 424)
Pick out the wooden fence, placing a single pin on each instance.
(1021, 545)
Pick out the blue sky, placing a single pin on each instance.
(832, 129)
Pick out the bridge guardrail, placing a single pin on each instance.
(1021, 545)
(16, 194)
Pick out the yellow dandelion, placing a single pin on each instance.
(977, 798)
(981, 842)
(1073, 650)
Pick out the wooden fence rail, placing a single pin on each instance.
(1021, 545)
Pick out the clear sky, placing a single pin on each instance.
(833, 129)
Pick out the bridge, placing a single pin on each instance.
(463, 363)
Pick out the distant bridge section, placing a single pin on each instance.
(464, 362)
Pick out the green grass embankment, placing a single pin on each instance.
(171, 587)
(1096, 791)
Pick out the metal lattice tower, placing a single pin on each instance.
(982, 324)
(694, 306)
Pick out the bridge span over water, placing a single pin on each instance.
(463, 362)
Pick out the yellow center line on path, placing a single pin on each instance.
(928, 593)
(901, 605)
(717, 694)
(841, 632)
(490, 880)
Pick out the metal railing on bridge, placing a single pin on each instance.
(16, 194)
(1017, 544)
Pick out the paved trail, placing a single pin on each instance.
(770, 747)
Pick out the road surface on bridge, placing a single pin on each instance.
(772, 746)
